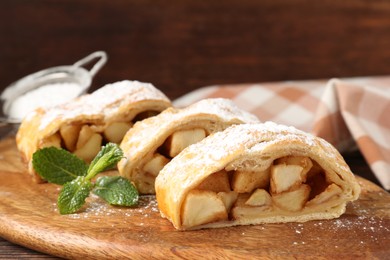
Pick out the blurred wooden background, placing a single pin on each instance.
(182, 45)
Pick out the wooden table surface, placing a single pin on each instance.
(9, 250)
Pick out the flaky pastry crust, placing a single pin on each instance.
(258, 148)
(118, 102)
(147, 137)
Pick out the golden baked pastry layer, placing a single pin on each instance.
(253, 174)
(153, 142)
(85, 123)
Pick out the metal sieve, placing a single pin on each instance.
(74, 74)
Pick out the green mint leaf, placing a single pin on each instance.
(106, 159)
(73, 194)
(57, 165)
(116, 190)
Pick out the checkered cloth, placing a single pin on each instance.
(350, 113)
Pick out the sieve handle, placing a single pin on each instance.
(101, 55)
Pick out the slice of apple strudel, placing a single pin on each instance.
(84, 124)
(153, 142)
(254, 174)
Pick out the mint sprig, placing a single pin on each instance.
(59, 166)
(73, 194)
(106, 159)
(116, 191)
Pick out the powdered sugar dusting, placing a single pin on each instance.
(105, 101)
(224, 108)
(97, 210)
(365, 229)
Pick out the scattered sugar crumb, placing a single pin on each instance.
(96, 210)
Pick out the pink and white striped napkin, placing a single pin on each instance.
(350, 113)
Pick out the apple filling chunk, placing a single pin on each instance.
(85, 134)
(82, 140)
(183, 138)
(90, 148)
(155, 165)
(202, 207)
(285, 177)
(150, 171)
(259, 197)
(85, 141)
(247, 181)
(290, 184)
(248, 206)
(218, 182)
(228, 198)
(170, 148)
(330, 192)
(302, 161)
(116, 131)
(292, 200)
(70, 135)
(53, 140)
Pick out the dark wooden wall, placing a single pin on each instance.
(183, 45)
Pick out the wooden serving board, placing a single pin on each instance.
(29, 217)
